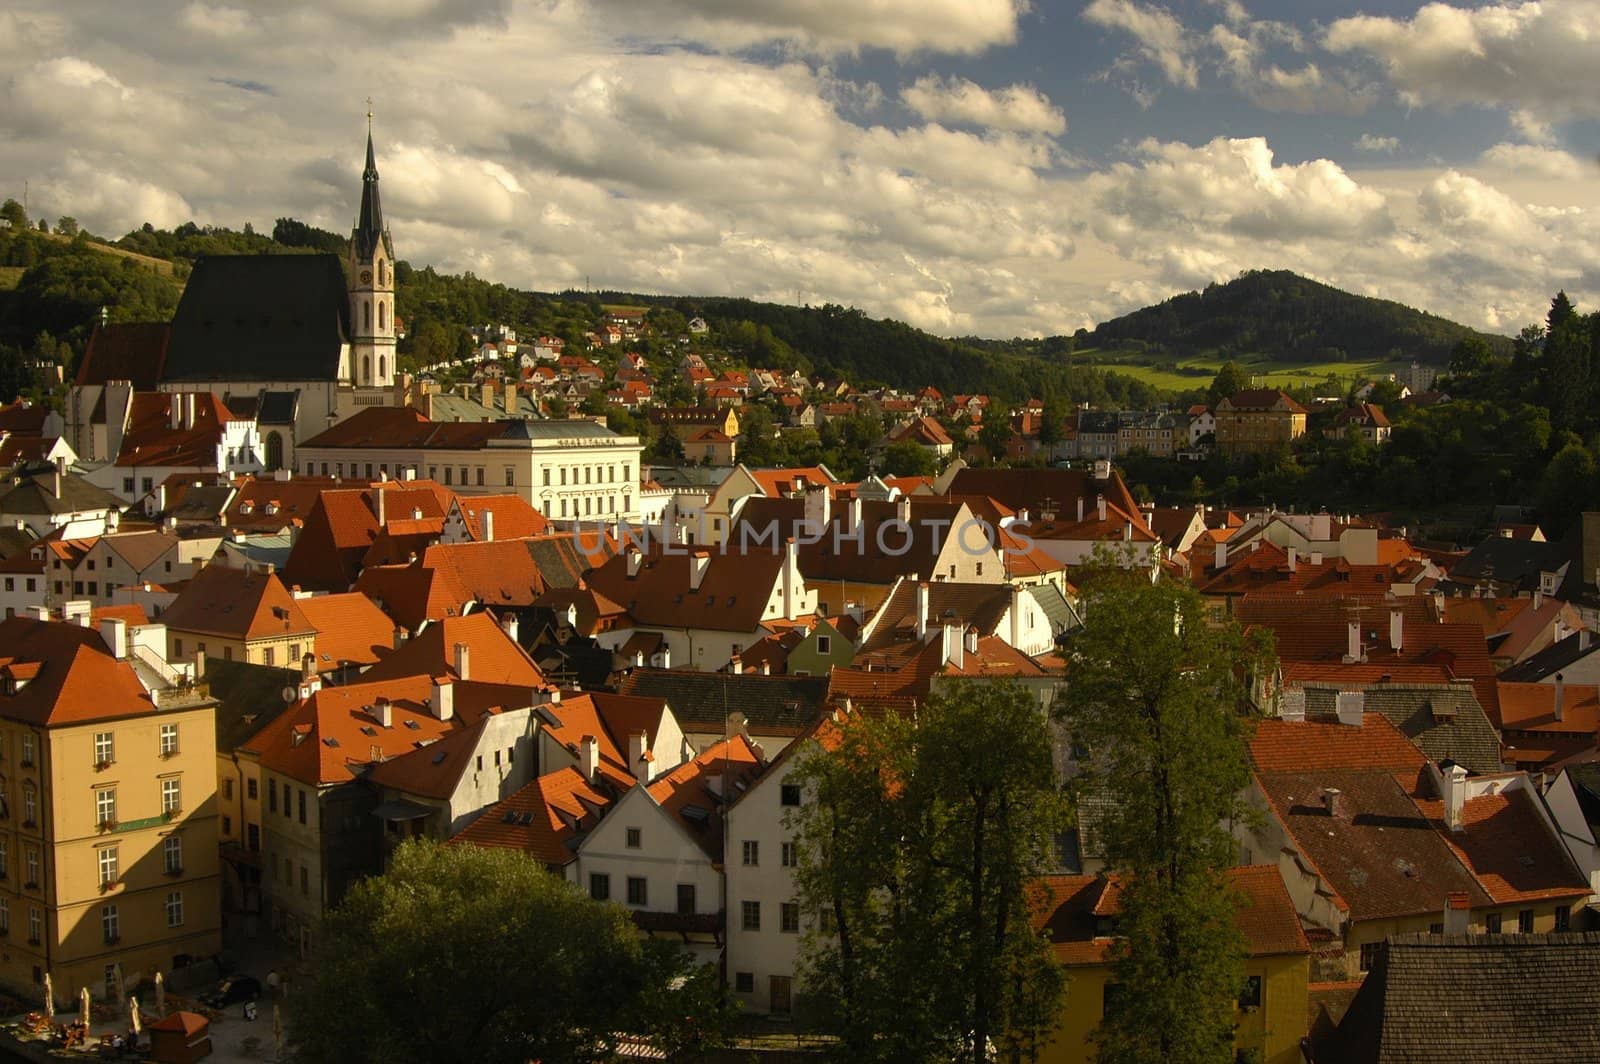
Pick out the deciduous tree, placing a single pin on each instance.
(1159, 697)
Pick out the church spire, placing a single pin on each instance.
(369, 229)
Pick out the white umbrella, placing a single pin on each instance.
(161, 994)
(49, 998)
(85, 1008)
(133, 1014)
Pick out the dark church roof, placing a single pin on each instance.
(369, 227)
(126, 351)
(260, 318)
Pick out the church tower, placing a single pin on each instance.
(371, 286)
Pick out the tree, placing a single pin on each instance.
(993, 437)
(1471, 357)
(1229, 380)
(921, 850)
(13, 214)
(67, 225)
(1159, 699)
(514, 963)
(908, 459)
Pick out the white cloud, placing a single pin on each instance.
(1533, 159)
(1162, 38)
(1532, 128)
(1536, 55)
(1019, 108)
(963, 27)
(1373, 143)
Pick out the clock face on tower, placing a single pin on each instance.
(366, 276)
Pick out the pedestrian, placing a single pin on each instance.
(273, 981)
(249, 1010)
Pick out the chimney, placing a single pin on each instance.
(666, 656)
(766, 668)
(308, 667)
(638, 756)
(114, 630)
(1316, 557)
(416, 513)
(486, 519)
(588, 756)
(922, 609)
(902, 509)
(852, 516)
(1583, 639)
(175, 413)
(383, 712)
(463, 661)
(1294, 559)
(486, 394)
(511, 397)
(77, 612)
(735, 663)
(699, 562)
(972, 639)
(199, 664)
(188, 410)
(55, 482)
(1455, 797)
(1102, 469)
(1332, 801)
(635, 560)
(509, 625)
(39, 613)
(444, 698)
(1292, 704)
(1352, 653)
(638, 659)
(380, 508)
(1559, 707)
(1219, 556)
(399, 637)
(1457, 912)
(1080, 507)
(1350, 705)
(817, 507)
(1100, 506)
(954, 649)
(1397, 622)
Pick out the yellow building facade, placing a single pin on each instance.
(108, 824)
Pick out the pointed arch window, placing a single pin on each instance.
(383, 315)
(366, 369)
(383, 273)
(366, 315)
(383, 367)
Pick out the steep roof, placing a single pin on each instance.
(492, 656)
(260, 318)
(1476, 999)
(351, 629)
(1058, 490)
(412, 594)
(403, 427)
(693, 792)
(498, 573)
(732, 596)
(981, 606)
(152, 441)
(237, 604)
(126, 351)
(514, 517)
(1257, 399)
(1509, 848)
(544, 819)
(64, 674)
(37, 495)
(1443, 720)
(773, 705)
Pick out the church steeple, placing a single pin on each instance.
(372, 332)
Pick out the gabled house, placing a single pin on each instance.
(238, 615)
(1366, 419)
(1258, 419)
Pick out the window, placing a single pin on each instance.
(1436, 929)
(305, 881)
(105, 805)
(108, 866)
(227, 825)
(27, 750)
(1369, 955)
(824, 644)
(789, 917)
(638, 890)
(599, 886)
(685, 898)
(750, 915)
(302, 804)
(253, 834)
(30, 805)
(789, 855)
(170, 800)
(5, 859)
(269, 656)
(172, 854)
(35, 932)
(752, 853)
(227, 790)
(1563, 918)
(110, 923)
(1491, 924)
(633, 838)
(789, 794)
(175, 908)
(250, 789)
(33, 867)
(103, 748)
(127, 485)
(272, 796)
(744, 982)
(1525, 921)
(5, 917)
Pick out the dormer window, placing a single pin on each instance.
(247, 507)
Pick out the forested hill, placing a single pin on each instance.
(1291, 318)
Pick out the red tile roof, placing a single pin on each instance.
(1510, 848)
(151, 440)
(721, 769)
(406, 428)
(128, 351)
(732, 596)
(514, 517)
(68, 675)
(1295, 746)
(351, 629)
(237, 604)
(543, 818)
(493, 657)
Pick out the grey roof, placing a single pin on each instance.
(36, 495)
(1586, 786)
(1552, 659)
(1476, 999)
(1445, 721)
(1095, 804)
(701, 700)
(278, 408)
(14, 540)
(1098, 421)
(204, 503)
(1055, 606)
(248, 698)
(527, 429)
(1510, 561)
(260, 318)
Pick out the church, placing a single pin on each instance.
(293, 343)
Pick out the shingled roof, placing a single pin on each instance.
(772, 705)
(1476, 999)
(260, 318)
(126, 351)
(1443, 720)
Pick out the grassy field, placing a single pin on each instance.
(1161, 371)
(9, 276)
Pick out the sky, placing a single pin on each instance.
(972, 167)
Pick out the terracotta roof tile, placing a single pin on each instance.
(544, 819)
(351, 629)
(237, 604)
(68, 674)
(726, 769)
(493, 657)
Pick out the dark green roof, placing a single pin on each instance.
(702, 700)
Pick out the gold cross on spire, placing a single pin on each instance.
(369, 114)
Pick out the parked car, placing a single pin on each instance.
(231, 991)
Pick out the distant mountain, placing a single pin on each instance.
(1286, 316)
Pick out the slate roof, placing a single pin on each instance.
(1476, 999)
(1030, 489)
(36, 495)
(1517, 562)
(1443, 720)
(260, 318)
(1553, 658)
(701, 701)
